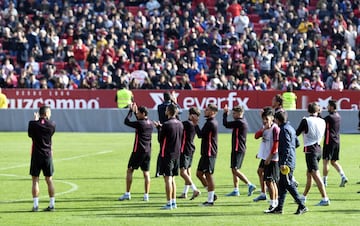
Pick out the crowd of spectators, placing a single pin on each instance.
(168, 44)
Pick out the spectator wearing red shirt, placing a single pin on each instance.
(234, 9)
(108, 51)
(80, 52)
(69, 35)
(201, 79)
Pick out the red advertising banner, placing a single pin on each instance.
(95, 99)
(60, 99)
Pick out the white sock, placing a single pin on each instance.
(173, 201)
(186, 189)
(236, 189)
(146, 195)
(127, 193)
(276, 202)
(193, 187)
(36, 201)
(262, 194)
(325, 199)
(342, 174)
(211, 196)
(52, 202)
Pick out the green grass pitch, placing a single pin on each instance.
(90, 173)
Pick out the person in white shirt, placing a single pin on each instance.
(241, 22)
(313, 130)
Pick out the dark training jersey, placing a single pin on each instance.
(209, 137)
(161, 111)
(41, 132)
(144, 128)
(239, 131)
(169, 137)
(332, 131)
(187, 144)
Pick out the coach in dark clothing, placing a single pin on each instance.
(288, 142)
(41, 131)
(170, 136)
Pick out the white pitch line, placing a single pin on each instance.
(73, 188)
(59, 160)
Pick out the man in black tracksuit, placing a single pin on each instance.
(288, 142)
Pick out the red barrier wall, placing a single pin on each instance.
(94, 99)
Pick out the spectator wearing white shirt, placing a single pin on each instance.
(34, 65)
(350, 36)
(241, 22)
(347, 53)
(338, 84)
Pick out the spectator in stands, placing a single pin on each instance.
(265, 59)
(185, 82)
(241, 22)
(338, 83)
(266, 13)
(33, 82)
(193, 22)
(234, 9)
(201, 79)
(35, 67)
(80, 52)
(330, 80)
(354, 84)
(347, 54)
(201, 61)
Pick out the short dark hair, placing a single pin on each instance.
(213, 107)
(267, 112)
(313, 108)
(43, 109)
(332, 103)
(281, 116)
(167, 96)
(194, 111)
(267, 109)
(143, 110)
(238, 109)
(172, 109)
(279, 99)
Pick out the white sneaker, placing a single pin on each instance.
(125, 197)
